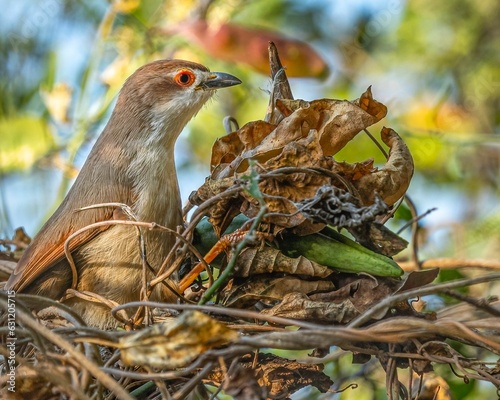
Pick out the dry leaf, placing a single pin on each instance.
(228, 148)
(270, 288)
(353, 172)
(416, 279)
(305, 139)
(241, 383)
(283, 376)
(431, 387)
(176, 343)
(371, 106)
(299, 306)
(377, 237)
(280, 376)
(266, 260)
(392, 180)
(363, 291)
(29, 384)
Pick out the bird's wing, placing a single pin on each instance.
(47, 249)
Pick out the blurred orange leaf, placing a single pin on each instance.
(249, 46)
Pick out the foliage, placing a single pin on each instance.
(434, 64)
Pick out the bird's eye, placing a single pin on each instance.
(185, 78)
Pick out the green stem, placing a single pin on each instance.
(224, 276)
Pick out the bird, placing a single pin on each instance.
(131, 163)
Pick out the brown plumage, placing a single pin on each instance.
(132, 162)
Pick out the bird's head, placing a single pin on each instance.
(168, 93)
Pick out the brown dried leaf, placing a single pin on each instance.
(353, 172)
(176, 343)
(337, 122)
(341, 121)
(371, 106)
(283, 191)
(363, 291)
(270, 288)
(300, 306)
(377, 237)
(241, 383)
(280, 88)
(288, 106)
(29, 384)
(21, 237)
(292, 128)
(230, 147)
(418, 279)
(305, 139)
(392, 180)
(221, 213)
(265, 260)
(283, 377)
(280, 376)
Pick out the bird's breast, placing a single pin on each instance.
(155, 187)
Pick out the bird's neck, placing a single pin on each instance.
(144, 144)
(153, 176)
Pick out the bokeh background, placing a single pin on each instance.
(434, 64)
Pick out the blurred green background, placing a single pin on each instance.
(434, 64)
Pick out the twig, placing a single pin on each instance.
(224, 276)
(231, 312)
(414, 230)
(28, 321)
(478, 303)
(377, 143)
(67, 252)
(413, 220)
(450, 263)
(193, 382)
(422, 291)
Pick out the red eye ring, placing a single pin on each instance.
(185, 77)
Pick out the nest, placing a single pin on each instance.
(267, 213)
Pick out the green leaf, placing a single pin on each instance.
(24, 140)
(253, 182)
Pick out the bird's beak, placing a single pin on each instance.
(218, 80)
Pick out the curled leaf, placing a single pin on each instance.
(363, 291)
(269, 288)
(228, 148)
(176, 343)
(392, 180)
(371, 106)
(305, 139)
(266, 260)
(300, 306)
(377, 237)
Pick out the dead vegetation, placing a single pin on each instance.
(284, 279)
